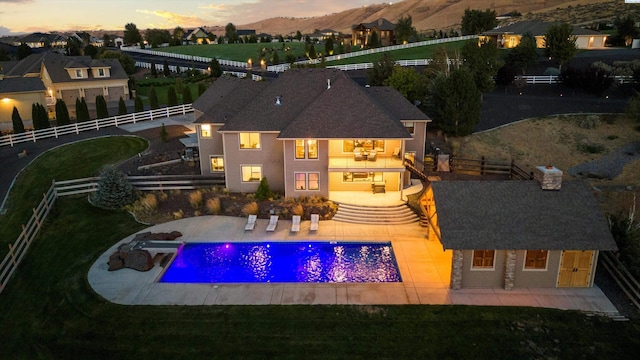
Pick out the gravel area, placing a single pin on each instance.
(609, 166)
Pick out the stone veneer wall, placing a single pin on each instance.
(456, 270)
(509, 269)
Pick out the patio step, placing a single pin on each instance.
(384, 215)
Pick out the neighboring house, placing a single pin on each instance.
(322, 35)
(517, 234)
(21, 93)
(246, 32)
(310, 132)
(40, 40)
(361, 33)
(509, 36)
(196, 36)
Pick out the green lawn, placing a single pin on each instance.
(238, 52)
(82, 159)
(48, 309)
(161, 85)
(422, 52)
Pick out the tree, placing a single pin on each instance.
(410, 83)
(559, 44)
(154, 71)
(214, 68)
(298, 35)
(165, 68)
(311, 53)
(405, 30)
(82, 110)
(23, 51)
(381, 70)
(263, 192)
(131, 34)
(106, 40)
(275, 58)
(18, 126)
(101, 107)
(374, 40)
(632, 110)
(62, 113)
(524, 55)
(482, 62)
(73, 46)
(231, 33)
(125, 60)
(328, 46)
(201, 88)
(90, 50)
(157, 37)
(456, 103)
(153, 98)
(122, 107)
(178, 34)
(40, 116)
(626, 28)
(114, 189)
(187, 98)
(4, 55)
(172, 97)
(478, 21)
(138, 105)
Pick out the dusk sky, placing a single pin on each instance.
(25, 16)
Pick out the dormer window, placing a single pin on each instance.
(101, 73)
(79, 74)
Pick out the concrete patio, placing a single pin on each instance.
(423, 264)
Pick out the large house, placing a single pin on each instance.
(509, 36)
(517, 234)
(361, 33)
(196, 36)
(310, 132)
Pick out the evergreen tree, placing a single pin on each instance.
(214, 68)
(201, 88)
(18, 126)
(23, 51)
(165, 69)
(62, 113)
(186, 95)
(35, 117)
(312, 52)
(40, 116)
(524, 55)
(138, 105)
(114, 189)
(381, 70)
(483, 63)
(172, 97)
(374, 40)
(263, 192)
(122, 107)
(478, 21)
(231, 33)
(101, 107)
(153, 98)
(131, 34)
(560, 44)
(328, 46)
(82, 110)
(275, 58)
(178, 69)
(405, 30)
(154, 71)
(456, 102)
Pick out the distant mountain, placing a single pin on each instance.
(426, 14)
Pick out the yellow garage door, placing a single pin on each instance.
(575, 268)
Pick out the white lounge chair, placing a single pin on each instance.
(315, 219)
(273, 222)
(251, 222)
(295, 223)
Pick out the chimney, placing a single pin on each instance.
(328, 84)
(549, 177)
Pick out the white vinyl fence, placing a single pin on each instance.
(160, 68)
(97, 124)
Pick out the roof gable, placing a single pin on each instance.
(536, 28)
(519, 215)
(57, 66)
(225, 98)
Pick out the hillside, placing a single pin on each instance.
(441, 14)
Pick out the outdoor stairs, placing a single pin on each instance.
(375, 215)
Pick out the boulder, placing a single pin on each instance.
(140, 260)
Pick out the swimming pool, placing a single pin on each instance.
(267, 262)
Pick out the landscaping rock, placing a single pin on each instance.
(133, 259)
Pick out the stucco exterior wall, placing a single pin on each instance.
(22, 101)
(269, 156)
(293, 165)
(209, 146)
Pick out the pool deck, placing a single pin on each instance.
(423, 264)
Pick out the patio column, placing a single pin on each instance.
(456, 270)
(509, 269)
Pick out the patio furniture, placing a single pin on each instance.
(315, 220)
(372, 155)
(378, 188)
(295, 223)
(251, 223)
(396, 153)
(358, 155)
(273, 222)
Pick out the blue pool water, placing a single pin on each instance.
(283, 262)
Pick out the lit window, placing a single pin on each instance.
(314, 181)
(536, 260)
(251, 173)
(205, 131)
(301, 181)
(78, 73)
(366, 144)
(306, 149)
(410, 126)
(249, 140)
(217, 163)
(483, 259)
(101, 72)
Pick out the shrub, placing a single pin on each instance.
(589, 122)
(250, 209)
(153, 98)
(177, 215)
(297, 210)
(612, 137)
(162, 196)
(591, 148)
(149, 201)
(122, 107)
(138, 105)
(172, 97)
(18, 125)
(213, 206)
(195, 199)
(186, 95)
(101, 107)
(263, 192)
(62, 113)
(114, 190)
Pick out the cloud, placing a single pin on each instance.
(5, 31)
(175, 18)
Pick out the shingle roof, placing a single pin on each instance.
(56, 65)
(395, 103)
(519, 215)
(307, 107)
(536, 28)
(382, 24)
(29, 65)
(21, 84)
